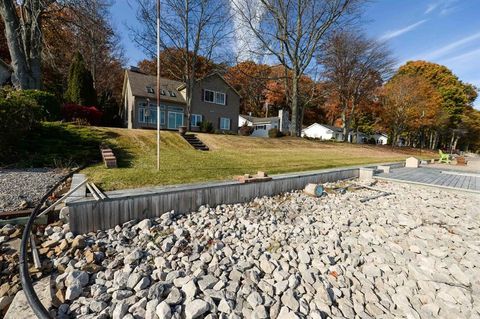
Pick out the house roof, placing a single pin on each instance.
(139, 83)
(332, 128)
(259, 120)
(182, 86)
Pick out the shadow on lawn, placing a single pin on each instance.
(124, 158)
(55, 144)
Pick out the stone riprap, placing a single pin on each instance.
(413, 254)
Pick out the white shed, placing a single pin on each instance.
(323, 132)
(380, 138)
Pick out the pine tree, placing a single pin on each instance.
(80, 83)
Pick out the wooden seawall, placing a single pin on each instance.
(87, 214)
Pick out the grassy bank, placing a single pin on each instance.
(67, 145)
(229, 156)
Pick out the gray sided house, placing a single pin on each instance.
(213, 101)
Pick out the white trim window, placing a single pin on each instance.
(149, 115)
(225, 123)
(195, 120)
(220, 98)
(214, 97)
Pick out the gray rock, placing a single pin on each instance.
(289, 300)
(196, 308)
(174, 297)
(267, 266)
(120, 311)
(163, 310)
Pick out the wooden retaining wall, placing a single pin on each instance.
(86, 215)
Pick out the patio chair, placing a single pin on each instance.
(444, 158)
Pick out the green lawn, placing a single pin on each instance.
(229, 156)
(67, 145)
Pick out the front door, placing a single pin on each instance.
(175, 120)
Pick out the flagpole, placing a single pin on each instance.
(158, 85)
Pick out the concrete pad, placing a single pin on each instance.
(20, 307)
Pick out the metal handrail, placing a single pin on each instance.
(25, 279)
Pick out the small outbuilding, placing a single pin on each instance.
(323, 132)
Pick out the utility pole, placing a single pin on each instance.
(158, 85)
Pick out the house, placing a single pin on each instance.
(213, 100)
(261, 125)
(357, 137)
(323, 132)
(380, 138)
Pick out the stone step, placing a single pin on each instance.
(195, 142)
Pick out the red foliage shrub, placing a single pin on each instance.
(73, 112)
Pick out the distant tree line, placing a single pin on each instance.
(321, 67)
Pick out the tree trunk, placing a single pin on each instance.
(344, 125)
(454, 147)
(294, 126)
(189, 90)
(24, 42)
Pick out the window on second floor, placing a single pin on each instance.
(209, 96)
(214, 97)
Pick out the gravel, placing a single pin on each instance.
(22, 188)
(413, 254)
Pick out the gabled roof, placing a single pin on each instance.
(260, 120)
(139, 83)
(210, 75)
(331, 128)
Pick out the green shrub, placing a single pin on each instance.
(206, 127)
(48, 103)
(18, 116)
(274, 132)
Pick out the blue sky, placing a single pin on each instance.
(441, 31)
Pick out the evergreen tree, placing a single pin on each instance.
(80, 83)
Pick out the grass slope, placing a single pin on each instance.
(229, 156)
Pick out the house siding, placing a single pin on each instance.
(212, 112)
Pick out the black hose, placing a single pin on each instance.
(25, 279)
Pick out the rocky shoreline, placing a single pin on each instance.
(413, 254)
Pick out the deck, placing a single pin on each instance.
(447, 178)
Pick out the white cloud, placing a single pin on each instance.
(431, 7)
(446, 7)
(245, 39)
(450, 47)
(464, 57)
(396, 33)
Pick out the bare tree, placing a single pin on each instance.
(354, 66)
(291, 31)
(24, 37)
(195, 27)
